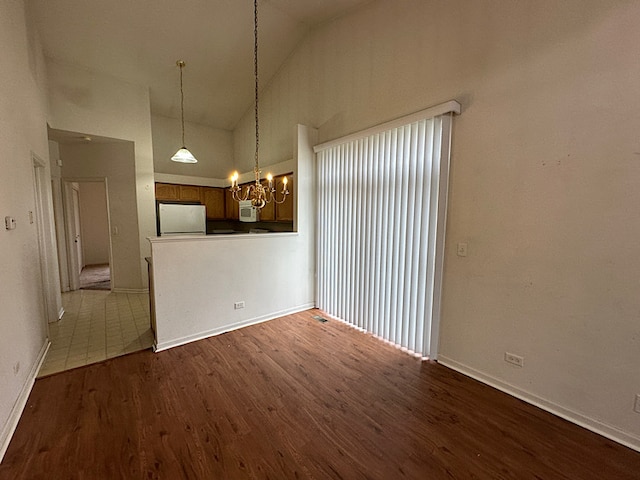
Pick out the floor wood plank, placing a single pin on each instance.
(294, 398)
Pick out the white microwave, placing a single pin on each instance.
(248, 213)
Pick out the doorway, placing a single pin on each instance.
(88, 238)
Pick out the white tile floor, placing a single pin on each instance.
(97, 325)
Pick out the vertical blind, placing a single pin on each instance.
(381, 208)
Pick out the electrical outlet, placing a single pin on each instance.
(636, 405)
(462, 249)
(514, 359)
(238, 305)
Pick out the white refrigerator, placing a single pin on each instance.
(181, 219)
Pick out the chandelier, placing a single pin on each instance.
(258, 194)
(183, 155)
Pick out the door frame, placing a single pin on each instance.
(41, 218)
(70, 222)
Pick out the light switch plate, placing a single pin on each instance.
(9, 223)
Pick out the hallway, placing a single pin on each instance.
(96, 277)
(97, 325)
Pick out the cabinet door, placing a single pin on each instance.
(167, 191)
(213, 199)
(190, 193)
(268, 212)
(232, 210)
(284, 211)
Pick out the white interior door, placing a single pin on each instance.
(78, 230)
(74, 241)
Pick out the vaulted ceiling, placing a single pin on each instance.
(140, 40)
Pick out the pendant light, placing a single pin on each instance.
(183, 155)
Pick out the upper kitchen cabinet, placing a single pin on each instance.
(190, 193)
(178, 193)
(284, 211)
(268, 212)
(232, 211)
(167, 191)
(214, 201)
(212, 198)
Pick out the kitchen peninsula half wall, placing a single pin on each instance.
(208, 285)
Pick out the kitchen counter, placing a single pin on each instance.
(220, 227)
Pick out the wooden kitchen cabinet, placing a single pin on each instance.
(268, 212)
(190, 193)
(231, 208)
(219, 203)
(167, 191)
(284, 211)
(178, 193)
(212, 198)
(214, 201)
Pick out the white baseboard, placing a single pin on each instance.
(130, 290)
(608, 431)
(59, 317)
(16, 412)
(158, 347)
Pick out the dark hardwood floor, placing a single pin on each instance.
(294, 398)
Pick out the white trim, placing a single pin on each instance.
(190, 180)
(213, 238)
(431, 112)
(16, 412)
(441, 231)
(608, 431)
(130, 290)
(158, 347)
(275, 169)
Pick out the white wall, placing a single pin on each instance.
(212, 147)
(96, 104)
(198, 279)
(544, 180)
(94, 222)
(58, 207)
(113, 161)
(23, 315)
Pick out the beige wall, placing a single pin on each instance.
(95, 223)
(27, 301)
(212, 147)
(96, 104)
(58, 205)
(544, 180)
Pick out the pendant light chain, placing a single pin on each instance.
(257, 193)
(255, 72)
(181, 65)
(183, 155)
